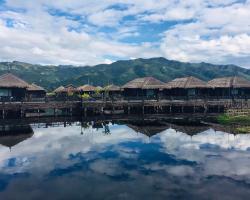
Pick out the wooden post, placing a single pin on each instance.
(71, 111)
(128, 109)
(3, 114)
(85, 111)
(22, 113)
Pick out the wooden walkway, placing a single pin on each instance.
(124, 106)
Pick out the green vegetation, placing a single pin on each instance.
(85, 96)
(244, 129)
(229, 120)
(120, 72)
(239, 124)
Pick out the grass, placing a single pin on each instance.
(228, 120)
(244, 129)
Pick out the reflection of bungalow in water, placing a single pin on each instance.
(15, 89)
(190, 130)
(13, 135)
(113, 91)
(147, 129)
(185, 87)
(228, 87)
(147, 88)
(35, 91)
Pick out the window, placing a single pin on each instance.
(191, 92)
(5, 93)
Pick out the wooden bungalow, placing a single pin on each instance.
(87, 89)
(59, 90)
(68, 90)
(229, 87)
(12, 88)
(35, 92)
(143, 88)
(113, 91)
(187, 87)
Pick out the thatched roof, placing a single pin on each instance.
(144, 83)
(99, 88)
(112, 88)
(87, 88)
(229, 82)
(70, 88)
(34, 87)
(11, 81)
(59, 89)
(66, 89)
(186, 82)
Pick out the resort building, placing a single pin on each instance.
(12, 88)
(146, 88)
(68, 90)
(112, 92)
(229, 87)
(87, 89)
(35, 92)
(187, 87)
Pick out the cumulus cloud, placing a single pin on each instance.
(90, 32)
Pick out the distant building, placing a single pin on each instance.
(112, 91)
(88, 89)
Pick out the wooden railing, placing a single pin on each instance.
(120, 98)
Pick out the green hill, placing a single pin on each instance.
(118, 72)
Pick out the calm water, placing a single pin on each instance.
(119, 162)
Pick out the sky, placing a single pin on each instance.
(89, 32)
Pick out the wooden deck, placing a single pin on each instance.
(124, 106)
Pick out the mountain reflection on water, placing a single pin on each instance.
(111, 161)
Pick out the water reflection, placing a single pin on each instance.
(125, 161)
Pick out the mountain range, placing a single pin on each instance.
(119, 72)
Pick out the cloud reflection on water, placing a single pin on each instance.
(126, 165)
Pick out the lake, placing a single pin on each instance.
(124, 161)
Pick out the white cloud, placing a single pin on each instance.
(211, 31)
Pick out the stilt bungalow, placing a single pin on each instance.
(87, 89)
(68, 90)
(143, 88)
(229, 87)
(113, 92)
(35, 92)
(12, 88)
(184, 88)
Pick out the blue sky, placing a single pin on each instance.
(88, 32)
